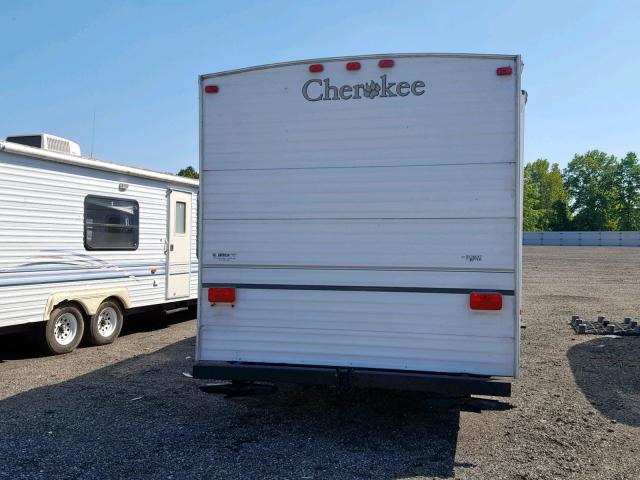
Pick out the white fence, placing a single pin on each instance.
(583, 239)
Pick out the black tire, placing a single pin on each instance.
(101, 329)
(63, 331)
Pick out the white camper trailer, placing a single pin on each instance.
(361, 222)
(85, 241)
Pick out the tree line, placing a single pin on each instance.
(189, 172)
(596, 191)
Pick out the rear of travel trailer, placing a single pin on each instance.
(361, 222)
(85, 241)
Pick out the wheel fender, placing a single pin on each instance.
(88, 299)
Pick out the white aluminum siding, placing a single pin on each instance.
(420, 191)
(42, 244)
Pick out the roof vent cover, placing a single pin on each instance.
(58, 145)
(47, 142)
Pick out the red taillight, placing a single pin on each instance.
(387, 63)
(485, 301)
(222, 295)
(316, 68)
(211, 89)
(504, 71)
(353, 66)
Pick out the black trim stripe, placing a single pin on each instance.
(356, 288)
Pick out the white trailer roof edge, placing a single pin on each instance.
(515, 57)
(19, 149)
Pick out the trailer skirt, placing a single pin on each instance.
(354, 377)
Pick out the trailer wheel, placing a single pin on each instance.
(105, 324)
(63, 331)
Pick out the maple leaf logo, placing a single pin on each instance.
(371, 89)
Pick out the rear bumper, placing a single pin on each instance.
(354, 377)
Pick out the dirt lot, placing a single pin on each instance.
(127, 411)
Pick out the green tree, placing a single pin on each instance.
(560, 217)
(627, 180)
(590, 180)
(546, 195)
(531, 215)
(189, 172)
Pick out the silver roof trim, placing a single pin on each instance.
(19, 149)
(360, 57)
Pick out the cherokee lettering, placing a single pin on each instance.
(345, 89)
(315, 89)
(330, 89)
(386, 89)
(305, 90)
(416, 85)
(402, 86)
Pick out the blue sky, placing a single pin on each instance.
(136, 64)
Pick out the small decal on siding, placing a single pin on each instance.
(224, 256)
(472, 258)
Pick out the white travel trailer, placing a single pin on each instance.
(361, 222)
(85, 241)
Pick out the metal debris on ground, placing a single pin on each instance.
(602, 326)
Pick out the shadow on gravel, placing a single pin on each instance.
(142, 418)
(17, 346)
(607, 370)
(23, 345)
(155, 320)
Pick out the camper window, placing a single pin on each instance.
(181, 218)
(110, 223)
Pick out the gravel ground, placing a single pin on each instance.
(127, 410)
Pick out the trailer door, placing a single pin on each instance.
(179, 245)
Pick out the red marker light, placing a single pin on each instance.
(353, 66)
(387, 63)
(485, 301)
(211, 89)
(222, 295)
(502, 71)
(316, 68)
